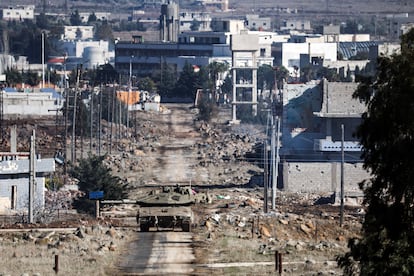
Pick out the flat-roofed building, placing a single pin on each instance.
(18, 13)
(77, 32)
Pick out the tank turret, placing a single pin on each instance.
(169, 196)
(168, 207)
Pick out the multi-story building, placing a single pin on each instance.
(394, 24)
(315, 117)
(196, 48)
(293, 55)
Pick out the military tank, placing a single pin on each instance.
(168, 207)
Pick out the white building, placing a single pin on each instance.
(188, 19)
(30, 104)
(232, 26)
(78, 32)
(100, 16)
(295, 24)
(14, 188)
(292, 52)
(18, 13)
(90, 53)
(254, 22)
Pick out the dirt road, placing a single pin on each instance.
(176, 155)
(166, 252)
(158, 253)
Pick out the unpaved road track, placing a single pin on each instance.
(166, 252)
(158, 253)
(174, 158)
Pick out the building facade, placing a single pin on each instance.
(77, 32)
(18, 13)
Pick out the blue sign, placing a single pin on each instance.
(96, 195)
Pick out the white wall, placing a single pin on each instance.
(25, 104)
(22, 187)
(19, 13)
(291, 52)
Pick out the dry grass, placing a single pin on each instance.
(91, 255)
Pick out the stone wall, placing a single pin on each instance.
(322, 177)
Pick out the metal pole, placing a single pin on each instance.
(112, 118)
(91, 128)
(273, 160)
(32, 175)
(74, 116)
(43, 60)
(342, 177)
(65, 140)
(265, 182)
(276, 168)
(99, 119)
(129, 91)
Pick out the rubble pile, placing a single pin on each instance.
(218, 147)
(307, 239)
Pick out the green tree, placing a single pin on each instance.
(265, 77)
(105, 73)
(188, 83)
(94, 175)
(31, 78)
(75, 19)
(387, 136)
(195, 25)
(207, 109)
(227, 87)
(214, 70)
(146, 84)
(42, 21)
(282, 73)
(13, 77)
(92, 18)
(166, 80)
(104, 31)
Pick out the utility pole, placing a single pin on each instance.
(65, 146)
(273, 162)
(91, 122)
(342, 176)
(265, 181)
(99, 119)
(74, 115)
(43, 60)
(112, 118)
(129, 92)
(32, 175)
(276, 174)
